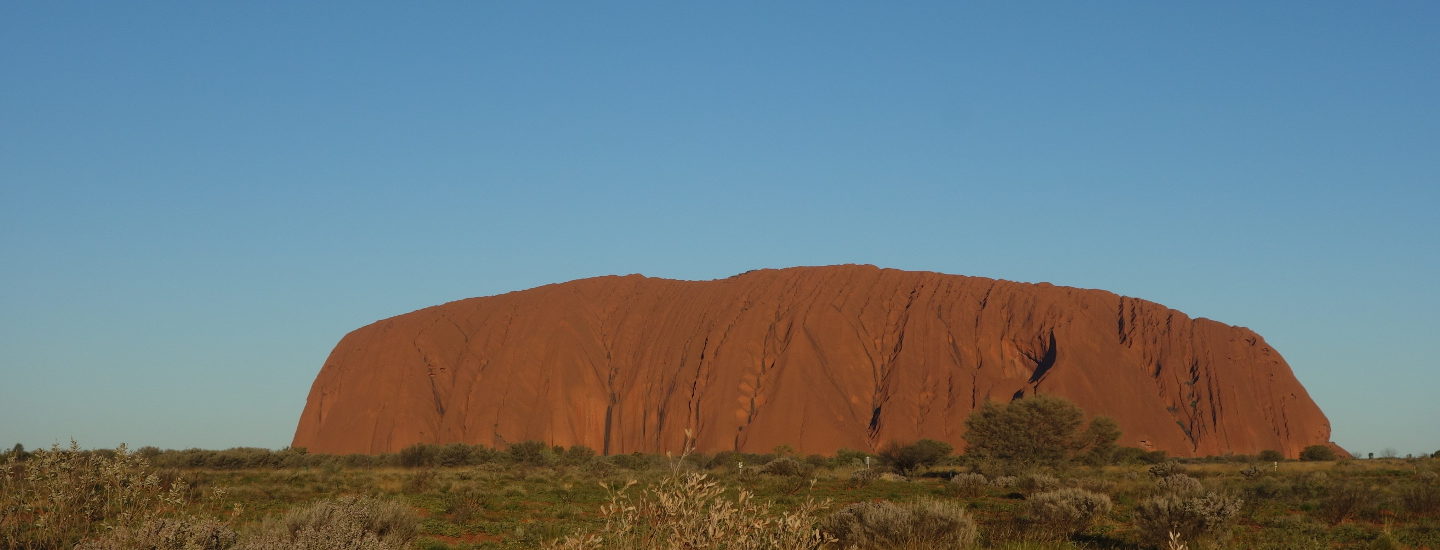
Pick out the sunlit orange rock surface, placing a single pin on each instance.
(817, 358)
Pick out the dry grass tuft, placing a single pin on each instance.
(60, 496)
(691, 511)
(884, 525)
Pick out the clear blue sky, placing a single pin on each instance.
(198, 200)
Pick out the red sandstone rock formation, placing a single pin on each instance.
(818, 358)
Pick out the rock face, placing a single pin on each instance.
(818, 358)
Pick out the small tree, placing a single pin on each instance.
(1100, 438)
(1037, 431)
(1317, 453)
(907, 459)
(1271, 455)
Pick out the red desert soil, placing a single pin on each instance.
(818, 358)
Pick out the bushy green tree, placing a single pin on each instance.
(1317, 452)
(535, 453)
(419, 455)
(1099, 440)
(1038, 431)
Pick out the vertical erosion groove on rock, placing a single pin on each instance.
(817, 358)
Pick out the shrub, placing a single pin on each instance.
(345, 523)
(1267, 488)
(864, 476)
(456, 454)
(1312, 484)
(1179, 484)
(420, 481)
(638, 461)
(1133, 455)
(1005, 482)
(1345, 501)
(850, 457)
(1036, 431)
(1270, 455)
(1252, 471)
(969, 484)
(166, 534)
(1199, 519)
(884, 525)
(907, 459)
(1067, 511)
(1038, 483)
(1421, 498)
(58, 497)
(691, 511)
(533, 453)
(1317, 453)
(786, 466)
(1166, 469)
(578, 454)
(419, 455)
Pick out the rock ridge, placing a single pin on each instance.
(818, 358)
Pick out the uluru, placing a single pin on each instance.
(816, 358)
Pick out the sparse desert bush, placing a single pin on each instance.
(1317, 453)
(864, 476)
(455, 454)
(1345, 500)
(910, 458)
(166, 534)
(850, 457)
(1064, 512)
(1132, 455)
(1270, 455)
(885, 525)
(1268, 488)
(1166, 469)
(598, 466)
(1038, 482)
(57, 497)
(578, 454)
(419, 455)
(532, 453)
(787, 467)
(420, 481)
(639, 461)
(1005, 482)
(1421, 498)
(1197, 519)
(346, 523)
(1311, 485)
(969, 484)
(691, 511)
(1179, 484)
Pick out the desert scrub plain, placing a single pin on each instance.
(535, 496)
(1034, 476)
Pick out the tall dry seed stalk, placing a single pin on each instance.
(59, 496)
(690, 511)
